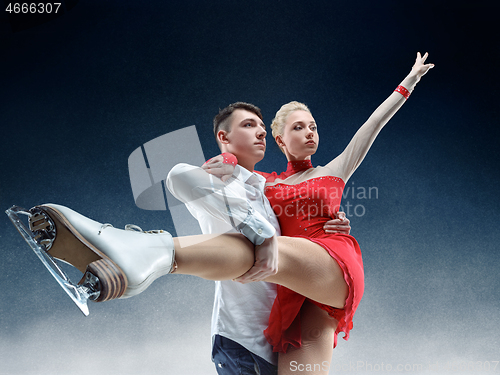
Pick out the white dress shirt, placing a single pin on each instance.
(241, 311)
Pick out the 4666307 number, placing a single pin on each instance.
(24, 8)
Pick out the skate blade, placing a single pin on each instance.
(79, 294)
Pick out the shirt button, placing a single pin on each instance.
(259, 231)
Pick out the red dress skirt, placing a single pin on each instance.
(302, 210)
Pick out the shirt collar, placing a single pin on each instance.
(250, 178)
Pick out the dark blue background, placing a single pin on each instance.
(81, 92)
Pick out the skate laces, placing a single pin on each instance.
(132, 228)
(104, 226)
(136, 228)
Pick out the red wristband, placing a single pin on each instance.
(403, 91)
(228, 159)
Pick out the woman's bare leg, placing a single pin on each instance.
(214, 256)
(304, 266)
(315, 355)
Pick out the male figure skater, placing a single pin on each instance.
(241, 311)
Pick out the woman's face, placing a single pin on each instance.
(300, 137)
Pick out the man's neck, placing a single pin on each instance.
(248, 166)
(246, 163)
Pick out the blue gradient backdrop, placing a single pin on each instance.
(81, 92)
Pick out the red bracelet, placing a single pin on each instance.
(228, 159)
(403, 91)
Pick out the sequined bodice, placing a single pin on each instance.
(303, 206)
(302, 209)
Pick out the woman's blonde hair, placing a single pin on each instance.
(286, 110)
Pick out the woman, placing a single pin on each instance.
(304, 196)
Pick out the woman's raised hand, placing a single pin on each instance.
(420, 67)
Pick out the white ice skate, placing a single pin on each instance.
(115, 263)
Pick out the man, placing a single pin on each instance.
(241, 311)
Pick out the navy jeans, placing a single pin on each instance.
(231, 358)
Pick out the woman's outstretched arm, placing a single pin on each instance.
(350, 159)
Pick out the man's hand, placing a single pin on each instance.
(338, 225)
(218, 168)
(266, 262)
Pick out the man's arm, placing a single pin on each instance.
(224, 201)
(266, 254)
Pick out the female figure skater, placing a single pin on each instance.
(325, 269)
(303, 198)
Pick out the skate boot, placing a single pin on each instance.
(115, 263)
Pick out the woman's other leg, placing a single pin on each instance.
(317, 334)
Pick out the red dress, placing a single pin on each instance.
(302, 210)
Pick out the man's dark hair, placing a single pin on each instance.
(221, 121)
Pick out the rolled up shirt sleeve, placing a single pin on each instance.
(225, 201)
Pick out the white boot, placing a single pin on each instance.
(126, 262)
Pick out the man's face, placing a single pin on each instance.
(247, 138)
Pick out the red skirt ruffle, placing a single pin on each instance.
(284, 320)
